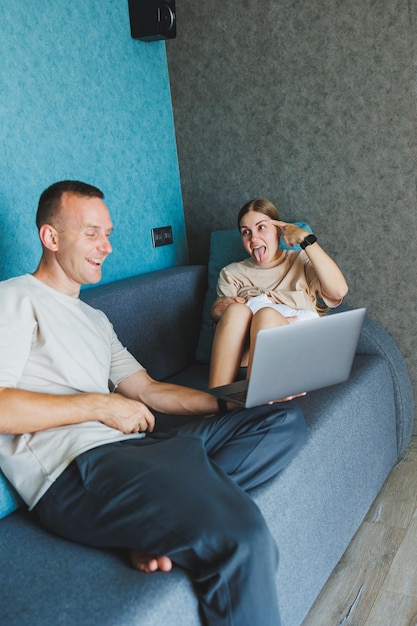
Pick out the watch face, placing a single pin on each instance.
(308, 241)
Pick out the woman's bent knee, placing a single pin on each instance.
(238, 311)
(268, 316)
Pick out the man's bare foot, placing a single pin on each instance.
(145, 562)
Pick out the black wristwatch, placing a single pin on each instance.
(308, 241)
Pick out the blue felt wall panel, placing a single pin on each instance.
(81, 99)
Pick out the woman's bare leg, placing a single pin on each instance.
(229, 343)
(264, 318)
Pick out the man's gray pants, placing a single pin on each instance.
(182, 494)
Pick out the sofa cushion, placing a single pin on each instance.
(47, 581)
(225, 247)
(157, 315)
(9, 500)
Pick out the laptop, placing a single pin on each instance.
(296, 358)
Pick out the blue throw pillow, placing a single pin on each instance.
(9, 499)
(225, 247)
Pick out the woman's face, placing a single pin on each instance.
(260, 237)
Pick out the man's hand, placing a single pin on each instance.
(24, 411)
(127, 415)
(297, 395)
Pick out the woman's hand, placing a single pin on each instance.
(221, 304)
(291, 233)
(332, 281)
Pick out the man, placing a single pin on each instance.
(87, 462)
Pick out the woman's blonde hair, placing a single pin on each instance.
(260, 205)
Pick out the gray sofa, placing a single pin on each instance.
(356, 432)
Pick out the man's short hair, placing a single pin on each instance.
(50, 201)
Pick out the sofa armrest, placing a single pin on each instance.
(375, 340)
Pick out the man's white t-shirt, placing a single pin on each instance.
(55, 344)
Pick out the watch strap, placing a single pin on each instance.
(310, 239)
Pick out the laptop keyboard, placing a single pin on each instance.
(240, 396)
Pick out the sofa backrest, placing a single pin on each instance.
(157, 315)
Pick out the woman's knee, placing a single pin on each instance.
(237, 311)
(236, 319)
(267, 317)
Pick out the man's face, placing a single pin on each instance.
(83, 229)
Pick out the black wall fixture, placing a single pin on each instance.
(151, 20)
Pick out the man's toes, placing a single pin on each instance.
(145, 562)
(165, 563)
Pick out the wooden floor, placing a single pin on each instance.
(375, 582)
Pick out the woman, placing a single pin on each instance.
(272, 287)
